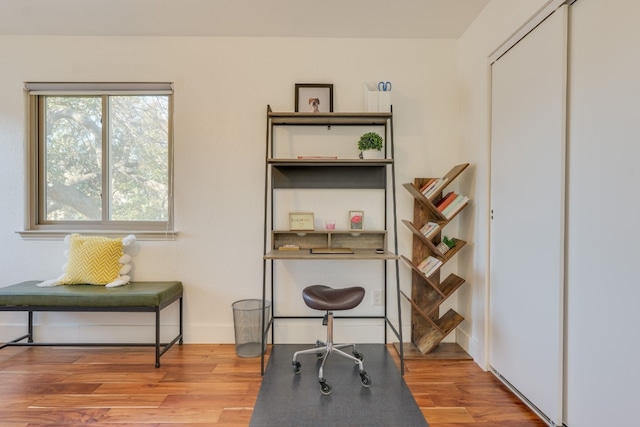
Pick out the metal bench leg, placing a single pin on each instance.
(180, 320)
(157, 337)
(30, 327)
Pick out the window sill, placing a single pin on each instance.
(60, 234)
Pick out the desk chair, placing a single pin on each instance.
(320, 297)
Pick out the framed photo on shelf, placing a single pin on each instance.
(356, 220)
(301, 221)
(314, 98)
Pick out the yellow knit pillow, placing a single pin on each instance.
(93, 260)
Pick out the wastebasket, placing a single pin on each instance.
(246, 322)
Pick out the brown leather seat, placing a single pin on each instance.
(321, 297)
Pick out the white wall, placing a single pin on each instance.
(496, 23)
(222, 88)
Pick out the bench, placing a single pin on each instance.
(134, 297)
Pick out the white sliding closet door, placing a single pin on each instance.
(603, 286)
(527, 227)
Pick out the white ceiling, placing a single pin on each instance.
(264, 18)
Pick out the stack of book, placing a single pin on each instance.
(451, 203)
(433, 186)
(429, 265)
(430, 229)
(289, 248)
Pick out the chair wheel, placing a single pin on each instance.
(365, 379)
(358, 356)
(296, 367)
(325, 388)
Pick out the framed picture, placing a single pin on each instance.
(314, 98)
(301, 221)
(356, 220)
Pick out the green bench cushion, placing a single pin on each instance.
(135, 294)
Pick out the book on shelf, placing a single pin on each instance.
(429, 229)
(436, 186)
(289, 248)
(431, 234)
(326, 251)
(426, 185)
(442, 199)
(429, 265)
(430, 185)
(459, 202)
(446, 201)
(317, 157)
(422, 264)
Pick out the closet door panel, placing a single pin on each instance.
(603, 287)
(527, 227)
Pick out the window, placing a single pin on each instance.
(100, 157)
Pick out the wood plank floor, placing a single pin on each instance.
(208, 385)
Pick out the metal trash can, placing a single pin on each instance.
(246, 323)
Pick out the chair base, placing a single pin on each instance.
(324, 349)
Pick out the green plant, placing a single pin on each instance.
(449, 242)
(370, 141)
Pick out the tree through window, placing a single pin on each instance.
(102, 160)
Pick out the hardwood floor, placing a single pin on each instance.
(208, 385)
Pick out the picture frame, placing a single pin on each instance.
(301, 221)
(320, 92)
(356, 220)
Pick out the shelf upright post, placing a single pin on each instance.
(263, 330)
(395, 240)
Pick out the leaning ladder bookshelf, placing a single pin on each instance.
(284, 173)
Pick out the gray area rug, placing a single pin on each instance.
(286, 399)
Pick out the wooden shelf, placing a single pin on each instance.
(426, 203)
(435, 294)
(417, 270)
(432, 336)
(450, 285)
(433, 213)
(417, 232)
(443, 351)
(364, 243)
(433, 250)
(328, 119)
(330, 162)
(428, 328)
(305, 254)
(364, 239)
(435, 299)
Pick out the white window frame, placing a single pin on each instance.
(35, 227)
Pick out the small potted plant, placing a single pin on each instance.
(446, 244)
(370, 144)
